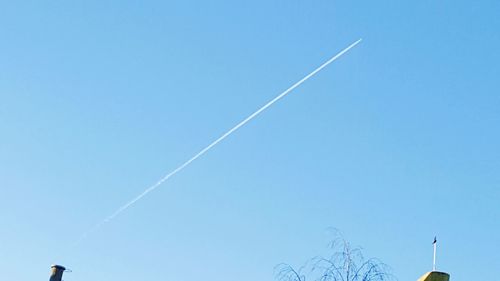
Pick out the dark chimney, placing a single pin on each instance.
(56, 272)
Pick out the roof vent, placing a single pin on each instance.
(56, 272)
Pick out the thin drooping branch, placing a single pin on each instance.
(285, 272)
(345, 263)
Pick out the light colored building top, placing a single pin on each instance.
(435, 276)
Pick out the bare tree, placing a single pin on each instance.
(345, 263)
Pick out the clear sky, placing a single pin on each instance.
(392, 144)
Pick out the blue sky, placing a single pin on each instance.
(392, 144)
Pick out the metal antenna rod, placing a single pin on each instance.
(434, 257)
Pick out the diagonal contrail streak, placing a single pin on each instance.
(214, 143)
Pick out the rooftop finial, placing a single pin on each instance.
(434, 257)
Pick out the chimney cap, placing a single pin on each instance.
(56, 266)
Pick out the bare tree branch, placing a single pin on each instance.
(345, 263)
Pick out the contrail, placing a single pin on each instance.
(214, 143)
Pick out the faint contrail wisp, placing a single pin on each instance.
(221, 138)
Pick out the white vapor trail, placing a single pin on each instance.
(214, 143)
